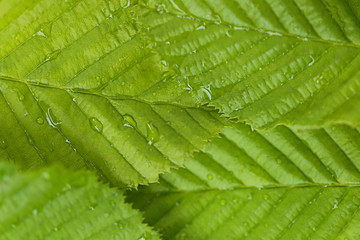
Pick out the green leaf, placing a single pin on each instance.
(79, 83)
(54, 203)
(275, 213)
(264, 62)
(262, 185)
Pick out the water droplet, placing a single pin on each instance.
(210, 176)
(207, 91)
(46, 175)
(312, 61)
(53, 55)
(223, 202)
(129, 121)
(127, 5)
(3, 143)
(40, 33)
(165, 63)
(181, 236)
(56, 229)
(119, 224)
(96, 124)
(34, 212)
(91, 208)
(266, 196)
(21, 96)
(335, 204)
(152, 133)
(40, 121)
(51, 119)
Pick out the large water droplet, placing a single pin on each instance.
(21, 96)
(3, 143)
(51, 119)
(129, 121)
(152, 133)
(96, 124)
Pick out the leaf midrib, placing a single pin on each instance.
(259, 188)
(119, 97)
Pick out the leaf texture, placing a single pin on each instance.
(284, 183)
(264, 62)
(55, 203)
(77, 82)
(276, 213)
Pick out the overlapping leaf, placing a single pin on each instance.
(55, 203)
(265, 62)
(282, 184)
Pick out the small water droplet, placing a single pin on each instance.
(34, 212)
(266, 196)
(165, 63)
(96, 124)
(181, 236)
(312, 61)
(40, 121)
(152, 133)
(56, 229)
(210, 176)
(21, 96)
(207, 91)
(91, 208)
(223, 202)
(129, 121)
(46, 175)
(40, 33)
(53, 55)
(3, 143)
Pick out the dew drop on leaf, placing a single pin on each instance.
(20, 96)
(152, 133)
(3, 143)
(53, 55)
(223, 202)
(210, 176)
(96, 124)
(129, 121)
(51, 119)
(40, 121)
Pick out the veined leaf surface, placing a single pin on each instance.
(77, 80)
(54, 203)
(284, 183)
(265, 62)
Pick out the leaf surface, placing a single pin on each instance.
(78, 83)
(285, 183)
(264, 62)
(55, 203)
